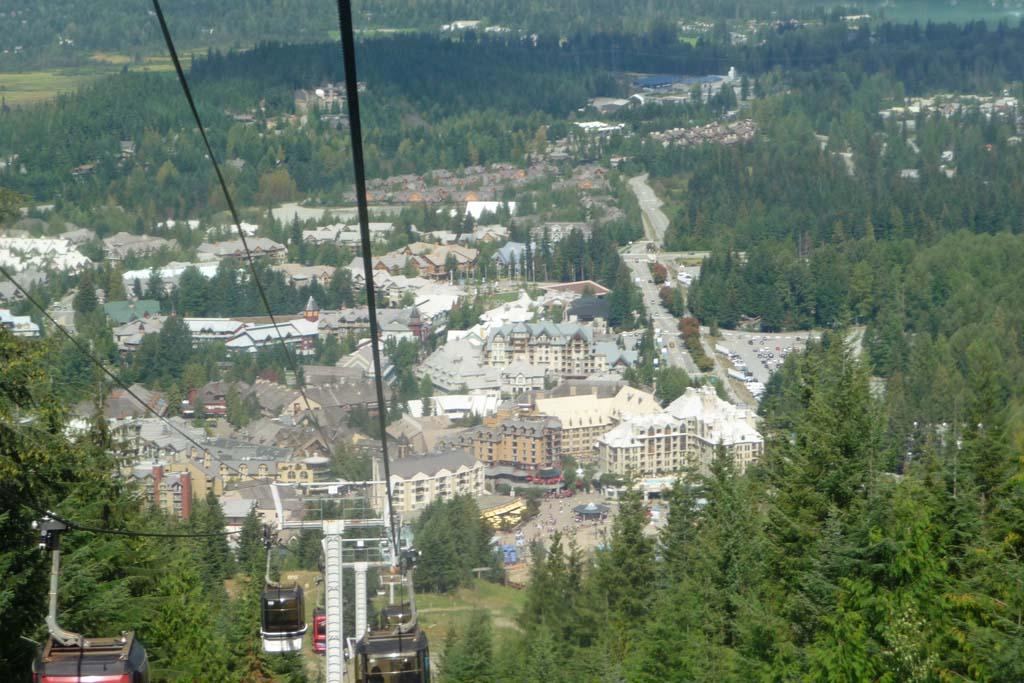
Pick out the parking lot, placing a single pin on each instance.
(763, 352)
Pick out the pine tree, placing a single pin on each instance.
(470, 659)
(625, 571)
(677, 539)
(155, 285)
(217, 563)
(183, 642)
(85, 301)
(250, 545)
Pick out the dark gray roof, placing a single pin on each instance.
(587, 308)
(556, 333)
(431, 463)
(226, 449)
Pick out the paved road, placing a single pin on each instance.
(655, 220)
(635, 257)
(655, 224)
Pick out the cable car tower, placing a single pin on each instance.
(360, 536)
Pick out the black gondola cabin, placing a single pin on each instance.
(283, 619)
(395, 652)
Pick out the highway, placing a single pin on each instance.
(636, 258)
(655, 220)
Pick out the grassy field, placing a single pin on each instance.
(24, 88)
(439, 612)
(30, 87)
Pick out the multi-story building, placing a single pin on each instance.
(258, 247)
(419, 480)
(300, 335)
(565, 349)
(683, 437)
(123, 245)
(525, 443)
(206, 330)
(587, 417)
(172, 493)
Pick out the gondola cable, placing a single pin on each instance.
(356, 136)
(172, 50)
(117, 380)
(93, 359)
(41, 510)
(355, 132)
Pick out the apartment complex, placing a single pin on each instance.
(585, 418)
(172, 493)
(527, 443)
(684, 436)
(418, 481)
(566, 349)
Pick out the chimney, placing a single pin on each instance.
(186, 494)
(158, 477)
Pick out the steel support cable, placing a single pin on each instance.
(172, 50)
(348, 50)
(117, 380)
(75, 526)
(95, 361)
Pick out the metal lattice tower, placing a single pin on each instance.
(358, 539)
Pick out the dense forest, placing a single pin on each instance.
(170, 591)
(880, 537)
(69, 32)
(821, 563)
(511, 98)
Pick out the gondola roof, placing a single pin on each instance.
(103, 656)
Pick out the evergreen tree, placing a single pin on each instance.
(155, 285)
(250, 545)
(470, 658)
(217, 562)
(85, 301)
(625, 570)
(183, 641)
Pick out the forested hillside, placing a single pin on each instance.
(820, 564)
(171, 591)
(880, 537)
(69, 32)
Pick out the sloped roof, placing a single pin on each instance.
(587, 308)
(432, 463)
(121, 312)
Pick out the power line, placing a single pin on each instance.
(95, 361)
(40, 510)
(234, 212)
(348, 49)
(118, 381)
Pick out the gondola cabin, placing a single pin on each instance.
(395, 652)
(319, 631)
(283, 619)
(103, 660)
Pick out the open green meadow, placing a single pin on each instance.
(24, 88)
(438, 612)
